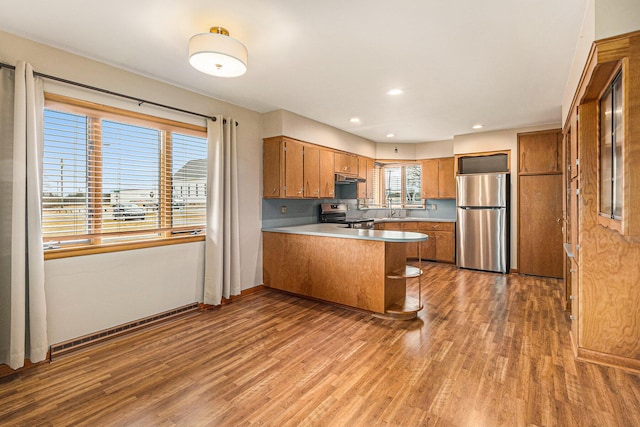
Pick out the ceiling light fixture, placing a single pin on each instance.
(391, 135)
(217, 54)
(395, 92)
(478, 126)
(354, 120)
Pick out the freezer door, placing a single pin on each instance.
(482, 189)
(482, 239)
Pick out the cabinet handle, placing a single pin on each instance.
(571, 297)
(572, 317)
(274, 190)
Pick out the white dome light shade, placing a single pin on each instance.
(217, 54)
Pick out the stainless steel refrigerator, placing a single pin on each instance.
(482, 227)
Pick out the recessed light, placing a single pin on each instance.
(354, 120)
(391, 135)
(395, 92)
(478, 126)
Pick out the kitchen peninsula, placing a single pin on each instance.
(360, 268)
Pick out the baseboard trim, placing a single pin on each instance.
(513, 271)
(243, 293)
(607, 359)
(82, 342)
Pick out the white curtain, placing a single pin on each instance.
(222, 249)
(23, 313)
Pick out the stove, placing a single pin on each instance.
(336, 213)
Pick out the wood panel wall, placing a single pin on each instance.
(609, 261)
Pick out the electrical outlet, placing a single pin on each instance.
(283, 209)
(432, 207)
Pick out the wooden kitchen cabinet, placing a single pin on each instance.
(540, 186)
(362, 173)
(441, 243)
(311, 172)
(284, 169)
(346, 164)
(438, 178)
(273, 168)
(440, 246)
(283, 166)
(445, 246)
(540, 152)
(365, 170)
(327, 177)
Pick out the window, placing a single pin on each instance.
(398, 186)
(110, 176)
(611, 140)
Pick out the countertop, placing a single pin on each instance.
(336, 230)
(412, 219)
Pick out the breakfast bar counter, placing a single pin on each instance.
(364, 269)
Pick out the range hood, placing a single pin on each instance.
(344, 179)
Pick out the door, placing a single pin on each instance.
(540, 251)
(481, 239)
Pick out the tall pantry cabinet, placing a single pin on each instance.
(602, 205)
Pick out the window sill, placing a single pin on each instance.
(118, 247)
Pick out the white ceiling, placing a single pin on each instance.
(502, 63)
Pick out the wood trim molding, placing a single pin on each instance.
(482, 153)
(117, 247)
(606, 359)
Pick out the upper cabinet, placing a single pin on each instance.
(283, 168)
(327, 177)
(438, 180)
(346, 164)
(311, 171)
(540, 152)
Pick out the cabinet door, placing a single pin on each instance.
(311, 172)
(293, 169)
(327, 178)
(540, 250)
(540, 152)
(428, 248)
(362, 167)
(271, 168)
(445, 246)
(429, 180)
(346, 164)
(411, 247)
(446, 179)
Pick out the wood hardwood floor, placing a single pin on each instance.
(487, 350)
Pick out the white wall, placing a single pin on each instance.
(614, 17)
(390, 151)
(602, 19)
(580, 56)
(89, 293)
(435, 149)
(281, 122)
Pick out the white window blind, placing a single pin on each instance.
(397, 185)
(114, 179)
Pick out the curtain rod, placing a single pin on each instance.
(121, 95)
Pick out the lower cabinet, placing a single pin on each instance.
(441, 245)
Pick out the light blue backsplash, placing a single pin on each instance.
(307, 211)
